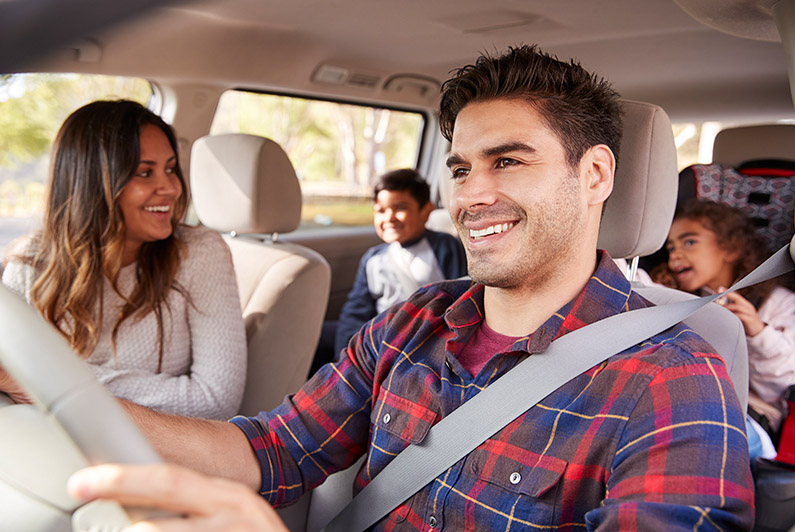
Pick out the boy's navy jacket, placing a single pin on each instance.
(361, 303)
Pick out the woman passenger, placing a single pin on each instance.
(151, 304)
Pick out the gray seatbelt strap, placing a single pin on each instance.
(456, 435)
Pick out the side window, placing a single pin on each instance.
(32, 109)
(337, 149)
(694, 142)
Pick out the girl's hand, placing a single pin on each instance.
(743, 309)
(10, 387)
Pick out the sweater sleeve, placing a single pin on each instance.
(213, 385)
(771, 353)
(18, 276)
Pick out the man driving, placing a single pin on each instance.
(652, 438)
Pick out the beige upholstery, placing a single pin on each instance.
(640, 209)
(246, 185)
(734, 146)
(637, 218)
(439, 219)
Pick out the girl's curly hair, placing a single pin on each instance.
(735, 232)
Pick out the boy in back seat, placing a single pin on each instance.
(410, 257)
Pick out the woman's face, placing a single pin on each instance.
(147, 201)
(696, 259)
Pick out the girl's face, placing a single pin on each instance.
(147, 200)
(696, 259)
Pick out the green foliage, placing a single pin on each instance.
(336, 149)
(32, 109)
(33, 106)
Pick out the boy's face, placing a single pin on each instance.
(399, 217)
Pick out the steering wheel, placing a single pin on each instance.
(74, 422)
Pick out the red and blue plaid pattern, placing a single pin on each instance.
(651, 439)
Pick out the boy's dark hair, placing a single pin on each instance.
(580, 107)
(404, 179)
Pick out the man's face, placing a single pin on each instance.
(517, 205)
(398, 217)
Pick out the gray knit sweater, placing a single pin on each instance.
(204, 354)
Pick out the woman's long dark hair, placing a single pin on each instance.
(95, 154)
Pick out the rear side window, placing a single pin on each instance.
(694, 142)
(337, 149)
(32, 109)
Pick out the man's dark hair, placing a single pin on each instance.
(580, 107)
(404, 179)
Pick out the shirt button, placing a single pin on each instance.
(387, 418)
(432, 522)
(449, 366)
(516, 478)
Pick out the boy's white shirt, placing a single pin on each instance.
(396, 274)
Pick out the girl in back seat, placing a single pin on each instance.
(151, 304)
(711, 246)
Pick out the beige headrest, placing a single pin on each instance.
(734, 146)
(244, 183)
(638, 213)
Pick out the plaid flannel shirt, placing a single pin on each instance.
(653, 438)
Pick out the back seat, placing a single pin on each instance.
(753, 169)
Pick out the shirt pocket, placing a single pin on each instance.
(400, 421)
(396, 423)
(515, 478)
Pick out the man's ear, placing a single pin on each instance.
(598, 164)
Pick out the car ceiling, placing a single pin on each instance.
(652, 50)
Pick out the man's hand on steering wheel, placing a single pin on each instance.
(205, 503)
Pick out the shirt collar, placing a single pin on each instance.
(410, 243)
(605, 294)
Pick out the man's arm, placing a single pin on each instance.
(215, 448)
(320, 429)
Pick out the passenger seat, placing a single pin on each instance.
(246, 187)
